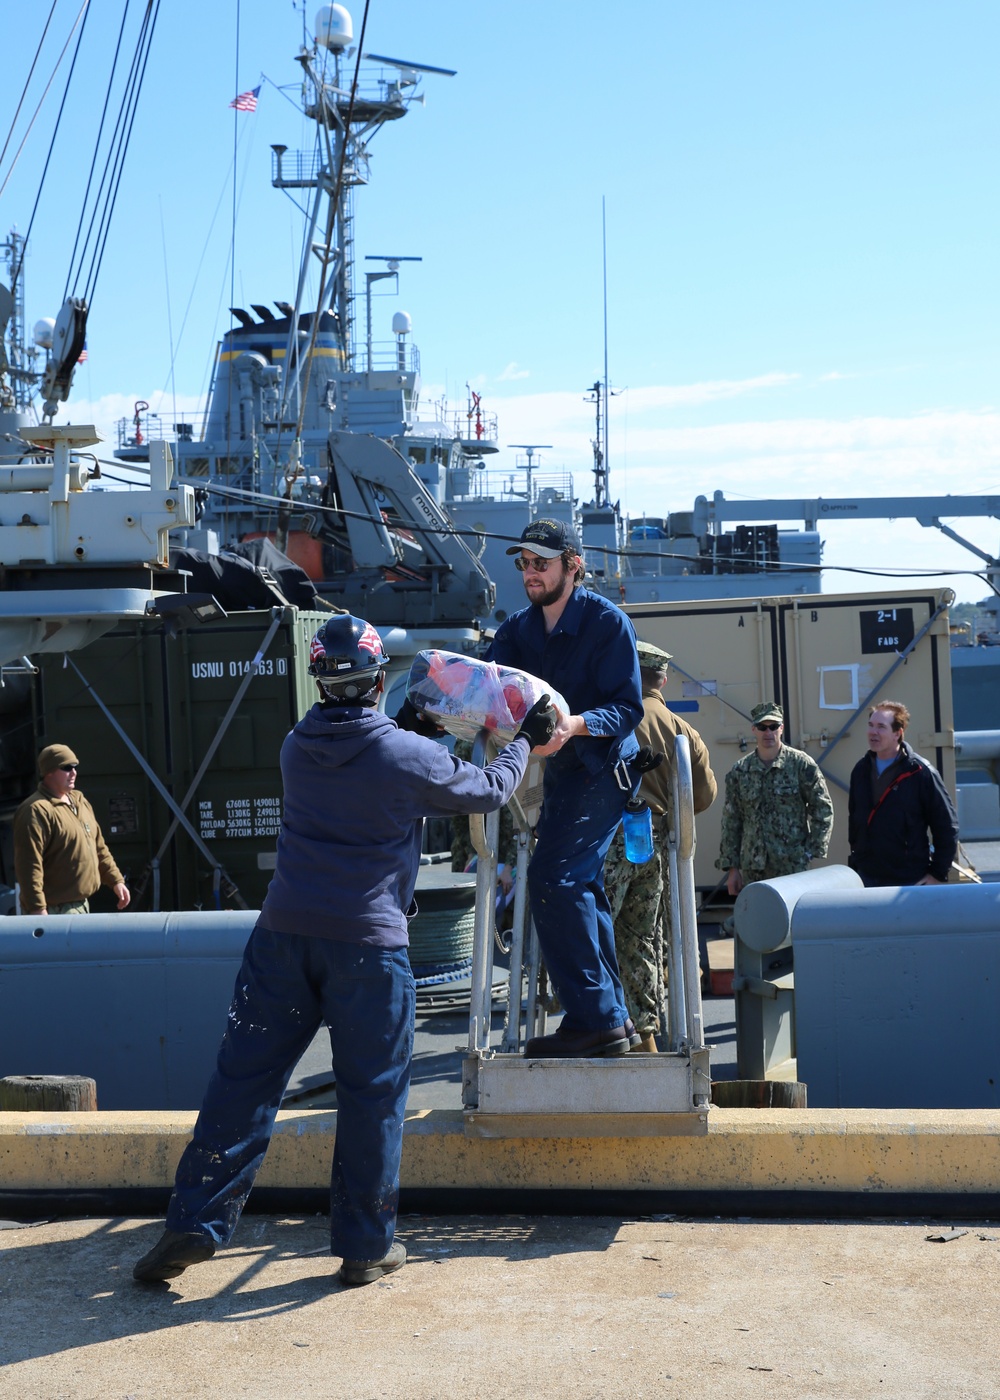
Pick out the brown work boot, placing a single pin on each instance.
(647, 1044)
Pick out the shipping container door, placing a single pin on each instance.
(840, 654)
(124, 670)
(725, 661)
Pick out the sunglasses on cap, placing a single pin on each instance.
(768, 724)
(68, 767)
(537, 566)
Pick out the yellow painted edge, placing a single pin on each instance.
(885, 1150)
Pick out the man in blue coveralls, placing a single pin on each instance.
(583, 646)
(330, 946)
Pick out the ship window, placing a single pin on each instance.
(418, 455)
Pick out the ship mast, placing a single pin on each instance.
(600, 391)
(347, 116)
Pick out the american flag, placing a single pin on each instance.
(247, 101)
(83, 355)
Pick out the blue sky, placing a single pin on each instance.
(801, 227)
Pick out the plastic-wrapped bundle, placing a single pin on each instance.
(464, 695)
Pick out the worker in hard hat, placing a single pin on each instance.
(330, 946)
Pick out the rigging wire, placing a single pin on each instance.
(232, 245)
(24, 94)
(312, 508)
(82, 24)
(131, 105)
(70, 280)
(170, 318)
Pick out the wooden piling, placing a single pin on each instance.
(48, 1093)
(759, 1093)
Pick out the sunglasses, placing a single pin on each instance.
(537, 566)
(771, 724)
(68, 767)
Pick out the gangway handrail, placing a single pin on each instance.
(484, 832)
(685, 934)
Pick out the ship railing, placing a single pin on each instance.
(548, 490)
(470, 426)
(155, 427)
(388, 356)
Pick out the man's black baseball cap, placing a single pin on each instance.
(547, 539)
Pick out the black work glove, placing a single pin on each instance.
(409, 717)
(647, 759)
(538, 724)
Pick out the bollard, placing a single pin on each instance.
(48, 1093)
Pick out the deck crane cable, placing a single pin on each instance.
(27, 84)
(92, 281)
(80, 24)
(115, 163)
(93, 160)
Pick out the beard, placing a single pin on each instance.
(550, 592)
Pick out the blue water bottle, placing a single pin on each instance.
(637, 824)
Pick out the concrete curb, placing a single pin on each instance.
(736, 1152)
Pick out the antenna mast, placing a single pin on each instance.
(602, 480)
(595, 395)
(600, 392)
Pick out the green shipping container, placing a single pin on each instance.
(171, 695)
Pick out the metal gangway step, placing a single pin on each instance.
(504, 1093)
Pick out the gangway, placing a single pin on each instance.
(504, 1092)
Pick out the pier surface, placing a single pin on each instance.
(571, 1308)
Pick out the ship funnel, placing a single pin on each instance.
(333, 28)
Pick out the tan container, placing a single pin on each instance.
(825, 659)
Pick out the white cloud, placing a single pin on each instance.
(711, 391)
(511, 372)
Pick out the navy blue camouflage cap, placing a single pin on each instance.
(767, 710)
(547, 539)
(652, 658)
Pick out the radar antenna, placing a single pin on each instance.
(529, 466)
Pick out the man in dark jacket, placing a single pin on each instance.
(330, 946)
(584, 647)
(896, 797)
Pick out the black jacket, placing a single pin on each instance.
(889, 841)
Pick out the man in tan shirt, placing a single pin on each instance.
(60, 856)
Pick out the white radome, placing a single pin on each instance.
(333, 27)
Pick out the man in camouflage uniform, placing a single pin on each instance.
(639, 895)
(778, 814)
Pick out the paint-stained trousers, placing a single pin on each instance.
(288, 986)
(572, 917)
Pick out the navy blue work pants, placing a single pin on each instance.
(288, 985)
(572, 917)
